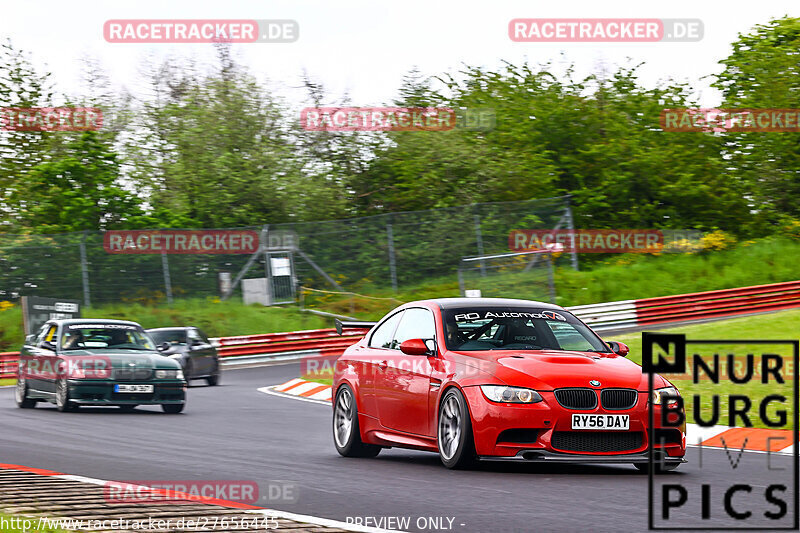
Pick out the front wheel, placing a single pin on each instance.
(21, 394)
(454, 435)
(63, 403)
(172, 408)
(346, 433)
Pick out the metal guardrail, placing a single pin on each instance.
(610, 316)
(8, 364)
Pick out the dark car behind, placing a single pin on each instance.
(192, 349)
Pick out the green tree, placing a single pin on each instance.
(77, 191)
(763, 72)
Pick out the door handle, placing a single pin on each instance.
(383, 364)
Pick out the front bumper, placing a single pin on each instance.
(534, 426)
(102, 392)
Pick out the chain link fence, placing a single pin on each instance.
(379, 253)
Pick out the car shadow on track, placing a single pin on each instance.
(519, 467)
(109, 410)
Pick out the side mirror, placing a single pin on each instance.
(619, 348)
(414, 347)
(163, 347)
(30, 339)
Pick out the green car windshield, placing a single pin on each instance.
(105, 336)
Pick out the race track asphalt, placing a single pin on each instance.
(234, 432)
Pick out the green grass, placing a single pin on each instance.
(9, 381)
(784, 325)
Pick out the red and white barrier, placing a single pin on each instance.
(696, 306)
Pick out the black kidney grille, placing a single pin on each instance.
(617, 399)
(576, 398)
(597, 441)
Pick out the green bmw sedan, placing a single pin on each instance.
(97, 362)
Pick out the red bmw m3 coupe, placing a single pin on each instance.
(484, 378)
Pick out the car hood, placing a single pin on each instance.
(131, 359)
(548, 370)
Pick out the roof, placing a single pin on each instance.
(171, 328)
(68, 321)
(449, 303)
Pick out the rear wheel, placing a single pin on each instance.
(21, 394)
(454, 435)
(63, 403)
(173, 408)
(346, 432)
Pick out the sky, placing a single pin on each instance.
(363, 48)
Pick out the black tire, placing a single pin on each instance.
(346, 431)
(21, 394)
(188, 369)
(213, 379)
(63, 403)
(660, 468)
(172, 408)
(454, 431)
(128, 408)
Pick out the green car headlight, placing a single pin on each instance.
(169, 374)
(503, 394)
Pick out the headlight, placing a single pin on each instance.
(169, 374)
(660, 395)
(501, 393)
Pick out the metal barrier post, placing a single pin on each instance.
(85, 272)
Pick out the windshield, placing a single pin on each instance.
(105, 336)
(517, 328)
(174, 337)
